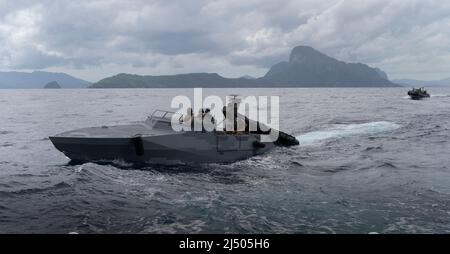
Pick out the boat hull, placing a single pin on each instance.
(188, 147)
(418, 97)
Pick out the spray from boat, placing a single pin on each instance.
(346, 130)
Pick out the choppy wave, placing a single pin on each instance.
(56, 186)
(346, 130)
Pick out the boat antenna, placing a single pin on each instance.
(235, 99)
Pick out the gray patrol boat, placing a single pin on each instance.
(155, 141)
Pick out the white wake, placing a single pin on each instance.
(440, 95)
(346, 130)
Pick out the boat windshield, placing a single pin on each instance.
(163, 115)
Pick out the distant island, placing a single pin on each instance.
(52, 85)
(306, 67)
(38, 79)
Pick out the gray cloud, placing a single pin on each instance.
(92, 39)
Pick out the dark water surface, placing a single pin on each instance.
(370, 161)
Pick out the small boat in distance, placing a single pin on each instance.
(417, 94)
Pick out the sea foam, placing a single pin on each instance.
(346, 130)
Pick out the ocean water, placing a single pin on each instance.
(370, 160)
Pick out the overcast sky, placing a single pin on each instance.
(95, 39)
